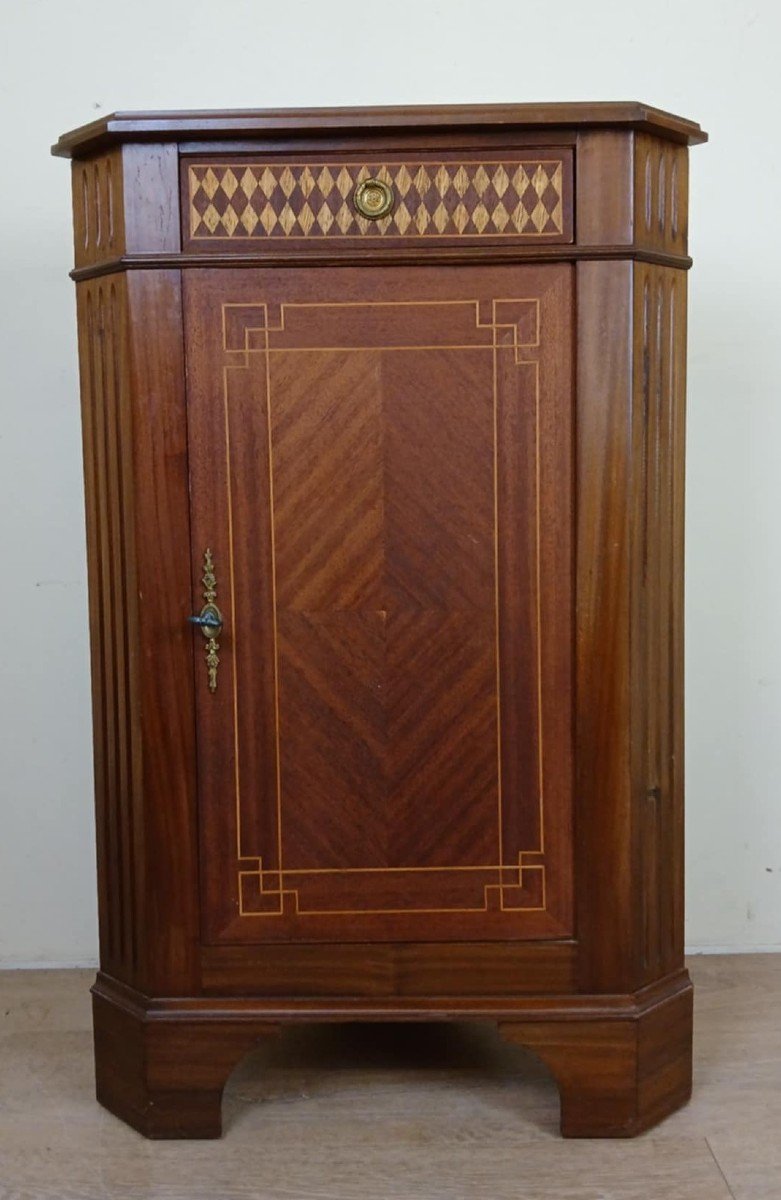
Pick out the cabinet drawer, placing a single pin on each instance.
(518, 195)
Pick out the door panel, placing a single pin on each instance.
(380, 466)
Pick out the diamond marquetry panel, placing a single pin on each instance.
(240, 201)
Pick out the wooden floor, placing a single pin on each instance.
(393, 1112)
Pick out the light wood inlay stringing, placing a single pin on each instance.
(513, 325)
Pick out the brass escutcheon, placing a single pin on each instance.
(373, 198)
(209, 620)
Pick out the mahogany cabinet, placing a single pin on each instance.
(383, 423)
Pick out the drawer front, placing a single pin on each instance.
(507, 195)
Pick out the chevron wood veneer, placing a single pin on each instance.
(385, 541)
(410, 777)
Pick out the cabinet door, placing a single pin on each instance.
(381, 463)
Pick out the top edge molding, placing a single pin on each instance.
(216, 124)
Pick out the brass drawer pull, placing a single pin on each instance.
(373, 198)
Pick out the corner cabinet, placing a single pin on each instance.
(383, 423)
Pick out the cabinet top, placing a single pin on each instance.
(215, 124)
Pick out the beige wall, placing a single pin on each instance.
(717, 62)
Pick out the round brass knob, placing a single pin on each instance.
(373, 198)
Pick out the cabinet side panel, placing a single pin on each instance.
(604, 828)
(103, 352)
(162, 531)
(630, 479)
(677, 376)
(657, 617)
(661, 190)
(134, 428)
(98, 208)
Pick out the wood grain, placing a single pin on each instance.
(204, 126)
(162, 1067)
(606, 182)
(661, 194)
(441, 775)
(657, 610)
(603, 819)
(630, 745)
(399, 969)
(371, 597)
(417, 1109)
(151, 211)
(166, 1081)
(125, 202)
(616, 1078)
(168, 855)
(98, 208)
(133, 423)
(104, 365)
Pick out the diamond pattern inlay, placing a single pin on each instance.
(434, 199)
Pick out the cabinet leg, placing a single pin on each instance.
(616, 1077)
(166, 1078)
